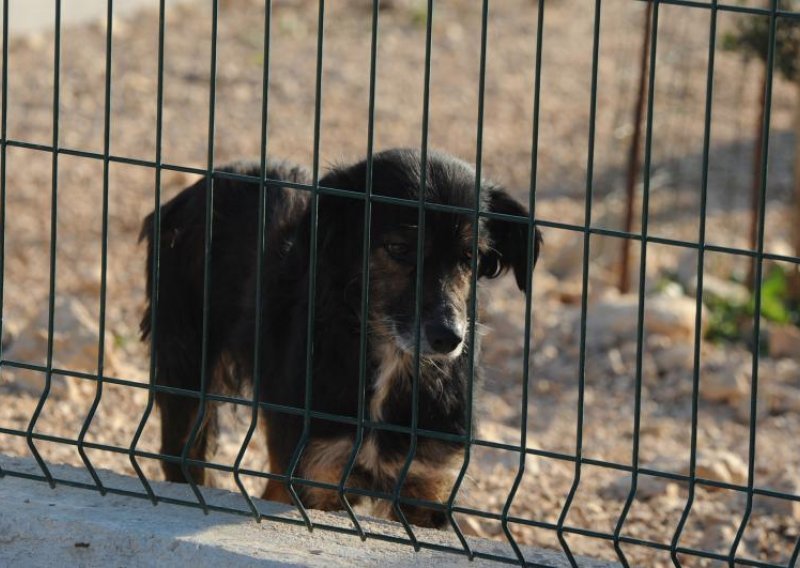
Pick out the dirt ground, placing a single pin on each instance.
(610, 364)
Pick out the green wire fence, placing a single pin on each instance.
(560, 528)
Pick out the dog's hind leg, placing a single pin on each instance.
(280, 452)
(179, 414)
(173, 324)
(179, 367)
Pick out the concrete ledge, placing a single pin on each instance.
(40, 526)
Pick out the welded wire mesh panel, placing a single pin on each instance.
(636, 399)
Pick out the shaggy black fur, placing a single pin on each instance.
(444, 336)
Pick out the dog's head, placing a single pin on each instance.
(447, 247)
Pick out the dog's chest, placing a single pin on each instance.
(391, 397)
(392, 372)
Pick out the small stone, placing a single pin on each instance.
(610, 321)
(686, 271)
(783, 399)
(472, 527)
(764, 404)
(657, 342)
(546, 352)
(9, 334)
(719, 289)
(784, 341)
(780, 247)
(717, 536)
(87, 281)
(570, 293)
(785, 483)
(614, 320)
(721, 465)
(673, 317)
(615, 361)
(543, 386)
(673, 492)
(544, 282)
(388, 5)
(725, 385)
(679, 357)
(672, 290)
(788, 371)
(568, 261)
(647, 487)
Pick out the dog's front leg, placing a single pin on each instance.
(323, 461)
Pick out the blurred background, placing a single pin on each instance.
(687, 203)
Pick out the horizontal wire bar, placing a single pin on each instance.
(763, 492)
(377, 198)
(785, 14)
(413, 203)
(382, 426)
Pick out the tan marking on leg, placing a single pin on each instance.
(370, 459)
(276, 490)
(432, 485)
(324, 461)
(426, 481)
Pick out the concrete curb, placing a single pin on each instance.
(40, 526)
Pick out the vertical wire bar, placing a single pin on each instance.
(101, 342)
(262, 249)
(3, 158)
(207, 253)
(312, 284)
(526, 353)
(365, 268)
(751, 465)
(53, 245)
(412, 450)
(637, 411)
(795, 555)
(701, 241)
(155, 267)
(584, 289)
(473, 295)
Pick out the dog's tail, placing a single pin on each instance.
(174, 293)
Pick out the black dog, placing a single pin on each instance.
(335, 363)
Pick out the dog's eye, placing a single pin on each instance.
(466, 256)
(398, 251)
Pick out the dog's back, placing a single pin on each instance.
(182, 236)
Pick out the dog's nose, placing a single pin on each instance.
(442, 338)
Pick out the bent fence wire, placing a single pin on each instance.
(560, 529)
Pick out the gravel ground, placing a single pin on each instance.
(610, 363)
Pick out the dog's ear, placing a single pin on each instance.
(509, 240)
